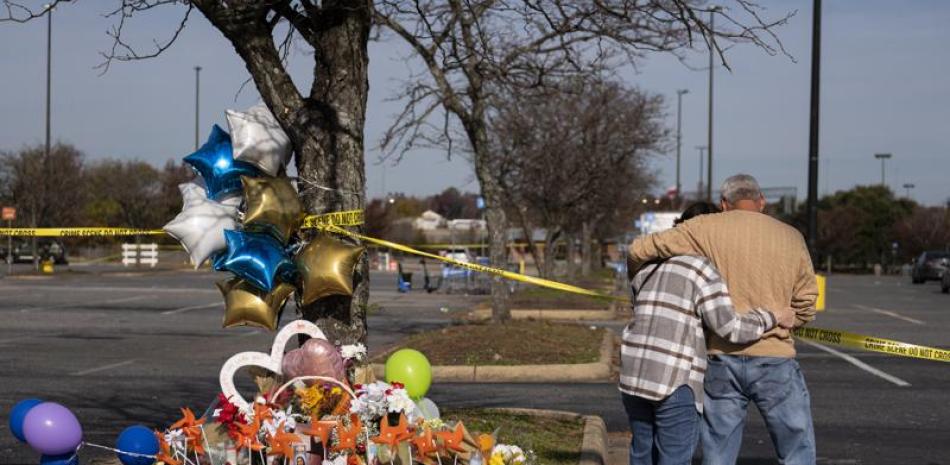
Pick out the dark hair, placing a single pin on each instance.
(696, 209)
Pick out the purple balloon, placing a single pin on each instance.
(316, 357)
(51, 429)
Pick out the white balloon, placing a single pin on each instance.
(427, 409)
(258, 139)
(200, 225)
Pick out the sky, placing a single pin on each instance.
(883, 89)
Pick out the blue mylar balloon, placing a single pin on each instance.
(136, 439)
(70, 458)
(257, 257)
(18, 413)
(217, 166)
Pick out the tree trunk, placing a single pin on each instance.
(494, 214)
(586, 252)
(550, 252)
(529, 238)
(326, 129)
(570, 254)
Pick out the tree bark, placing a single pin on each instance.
(550, 252)
(586, 252)
(326, 126)
(570, 255)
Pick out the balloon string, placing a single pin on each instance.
(312, 185)
(117, 451)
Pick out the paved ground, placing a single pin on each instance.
(123, 348)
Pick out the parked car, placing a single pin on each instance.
(47, 248)
(930, 266)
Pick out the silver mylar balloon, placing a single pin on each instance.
(200, 225)
(258, 139)
(195, 191)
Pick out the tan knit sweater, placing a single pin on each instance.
(764, 262)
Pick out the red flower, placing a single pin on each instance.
(398, 385)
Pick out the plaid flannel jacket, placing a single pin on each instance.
(664, 346)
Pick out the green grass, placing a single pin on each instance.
(512, 343)
(552, 441)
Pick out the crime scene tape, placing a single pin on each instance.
(344, 218)
(826, 336)
(476, 267)
(78, 232)
(872, 344)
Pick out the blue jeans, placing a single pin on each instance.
(664, 432)
(777, 387)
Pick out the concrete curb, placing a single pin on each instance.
(594, 444)
(548, 314)
(567, 372)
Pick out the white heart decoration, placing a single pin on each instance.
(269, 361)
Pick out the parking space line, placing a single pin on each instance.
(86, 304)
(153, 290)
(854, 361)
(104, 367)
(193, 307)
(891, 314)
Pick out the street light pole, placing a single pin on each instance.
(883, 157)
(699, 187)
(908, 186)
(709, 135)
(197, 102)
(46, 151)
(679, 137)
(813, 127)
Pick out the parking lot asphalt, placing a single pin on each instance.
(129, 347)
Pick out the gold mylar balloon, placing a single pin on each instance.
(272, 205)
(246, 305)
(326, 268)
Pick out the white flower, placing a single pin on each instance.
(353, 351)
(512, 455)
(398, 401)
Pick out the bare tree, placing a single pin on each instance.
(471, 49)
(325, 122)
(570, 155)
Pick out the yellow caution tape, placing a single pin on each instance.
(873, 344)
(476, 267)
(78, 232)
(344, 218)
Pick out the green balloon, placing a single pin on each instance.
(411, 368)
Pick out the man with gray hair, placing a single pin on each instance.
(766, 264)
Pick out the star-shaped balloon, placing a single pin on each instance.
(220, 172)
(392, 435)
(200, 225)
(196, 190)
(326, 268)
(246, 305)
(258, 139)
(272, 206)
(258, 258)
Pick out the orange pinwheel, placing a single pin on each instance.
(164, 451)
(393, 435)
(247, 437)
(452, 440)
(282, 442)
(346, 437)
(262, 413)
(320, 429)
(424, 444)
(191, 428)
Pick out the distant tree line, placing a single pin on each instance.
(870, 224)
(68, 189)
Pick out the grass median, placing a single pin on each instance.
(553, 441)
(512, 343)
